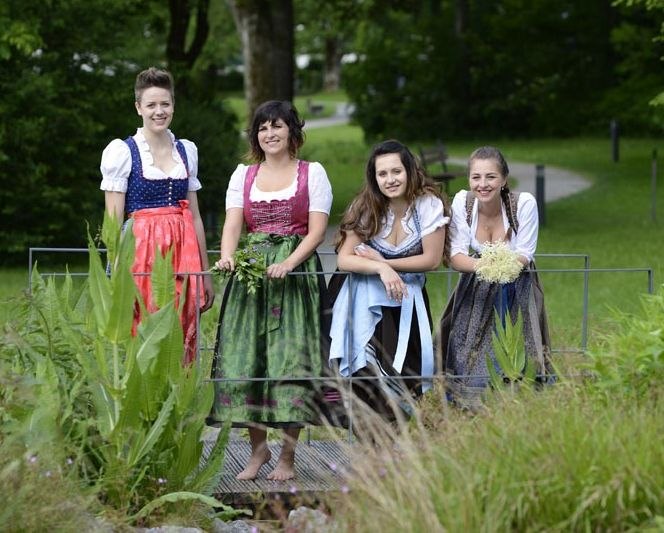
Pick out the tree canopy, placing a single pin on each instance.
(509, 67)
(67, 70)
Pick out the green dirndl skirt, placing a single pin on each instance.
(280, 332)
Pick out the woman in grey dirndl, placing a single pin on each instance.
(488, 212)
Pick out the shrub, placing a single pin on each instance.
(122, 405)
(630, 359)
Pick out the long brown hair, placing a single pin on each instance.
(369, 208)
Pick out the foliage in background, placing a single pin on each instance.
(66, 90)
(122, 405)
(443, 70)
(627, 35)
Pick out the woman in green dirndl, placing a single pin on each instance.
(276, 330)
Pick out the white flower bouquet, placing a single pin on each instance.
(498, 263)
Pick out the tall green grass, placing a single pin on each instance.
(552, 461)
(581, 455)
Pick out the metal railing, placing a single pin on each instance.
(347, 382)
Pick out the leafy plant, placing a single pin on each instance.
(134, 414)
(249, 267)
(510, 352)
(630, 360)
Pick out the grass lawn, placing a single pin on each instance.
(610, 221)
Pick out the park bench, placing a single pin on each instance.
(314, 109)
(434, 162)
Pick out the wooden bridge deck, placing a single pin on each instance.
(319, 466)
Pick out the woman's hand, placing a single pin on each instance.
(368, 252)
(394, 285)
(278, 270)
(208, 288)
(226, 263)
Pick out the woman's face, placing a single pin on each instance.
(156, 108)
(485, 180)
(391, 176)
(273, 137)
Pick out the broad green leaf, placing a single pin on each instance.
(171, 353)
(208, 477)
(105, 408)
(163, 282)
(174, 497)
(153, 328)
(121, 316)
(110, 235)
(139, 450)
(99, 286)
(123, 290)
(508, 347)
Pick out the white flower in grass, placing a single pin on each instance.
(498, 263)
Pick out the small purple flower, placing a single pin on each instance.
(254, 529)
(32, 459)
(345, 489)
(293, 489)
(224, 399)
(70, 461)
(252, 261)
(161, 481)
(276, 311)
(333, 467)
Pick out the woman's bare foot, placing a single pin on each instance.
(256, 461)
(285, 468)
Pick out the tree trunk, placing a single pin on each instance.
(268, 49)
(180, 59)
(461, 16)
(333, 54)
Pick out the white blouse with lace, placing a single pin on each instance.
(320, 190)
(116, 164)
(431, 217)
(464, 237)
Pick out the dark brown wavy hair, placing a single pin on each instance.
(271, 111)
(369, 208)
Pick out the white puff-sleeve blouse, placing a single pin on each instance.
(320, 190)
(431, 216)
(116, 164)
(463, 236)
